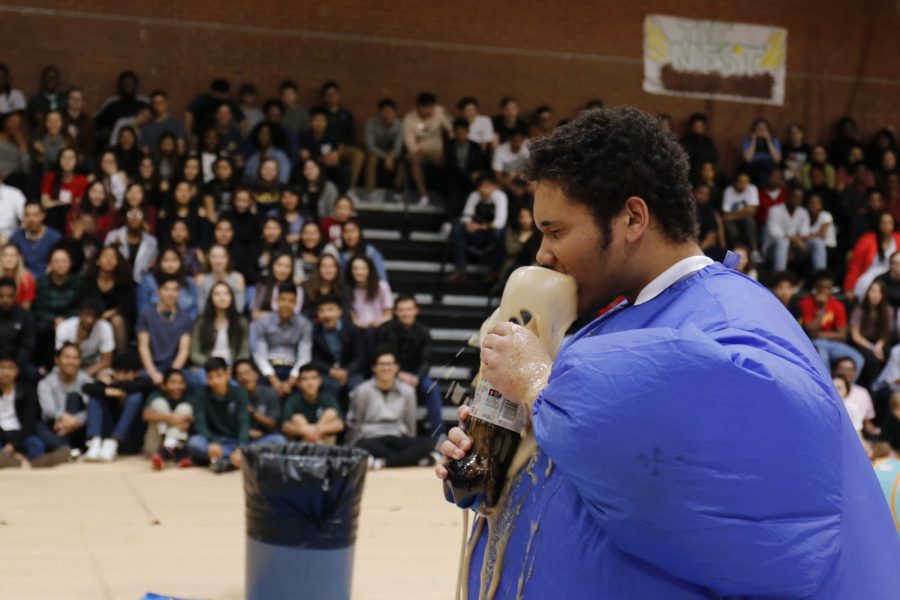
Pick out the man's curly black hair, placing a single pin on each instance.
(606, 155)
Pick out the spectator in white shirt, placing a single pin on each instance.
(739, 205)
(481, 228)
(12, 207)
(93, 336)
(821, 224)
(481, 128)
(509, 157)
(11, 99)
(788, 227)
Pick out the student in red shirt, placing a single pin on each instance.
(824, 319)
(61, 189)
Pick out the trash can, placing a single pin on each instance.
(302, 503)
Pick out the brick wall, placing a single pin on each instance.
(843, 57)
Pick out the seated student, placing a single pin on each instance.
(265, 300)
(171, 264)
(93, 335)
(221, 420)
(63, 413)
(311, 414)
(16, 330)
(220, 331)
(113, 405)
(18, 418)
(857, 396)
(58, 297)
(353, 244)
(371, 304)
(412, 343)
(264, 404)
(326, 280)
(309, 249)
(384, 147)
(164, 332)
(789, 235)
(783, 285)
(739, 206)
(424, 130)
(169, 415)
(35, 240)
(824, 319)
(283, 342)
(382, 418)
(464, 160)
(332, 226)
(482, 224)
(337, 349)
(510, 156)
(221, 269)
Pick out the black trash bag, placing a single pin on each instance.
(304, 495)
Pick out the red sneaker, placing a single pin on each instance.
(185, 463)
(157, 461)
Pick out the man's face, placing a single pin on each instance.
(60, 264)
(784, 291)
(572, 245)
(33, 218)
(286, 304)
(426, 111)
(701, 195)
(223, 115)
(289, 96)
(310, 382)
(75, 101)
(87, 319)
(823, 289)
(461, 135)
(51, 80)
(175, 387)
(847, 368)
(318, 124)
(218, 381)
(160, 104)
(795, 199)
(9, 370)
(485, 189)
(698, 127)
(388, 115)
(168, 294)
(331, 97)
(742, 181)
(329, 314)
(68, 361)
(7, 298)
(246, 376)
(385, 368)
(406, 312)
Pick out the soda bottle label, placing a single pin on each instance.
(490, 406)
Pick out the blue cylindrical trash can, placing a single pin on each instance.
(302, 505)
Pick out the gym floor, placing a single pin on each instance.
(118, 531)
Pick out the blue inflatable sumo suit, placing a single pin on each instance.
(692, 446)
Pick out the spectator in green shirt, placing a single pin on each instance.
(310, 414)
(264, 404)
(221, 420)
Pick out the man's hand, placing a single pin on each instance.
(156, 377)
(388, 163)
(237, 457)
(8, 449)
(515, 362)
(471, 226)
(214, 451)
(180, 420)
(113, 392)
(339, 375)
(456, 445)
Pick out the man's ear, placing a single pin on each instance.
(637, 218)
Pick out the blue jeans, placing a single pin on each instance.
(100, 421)
(269, 438)
(831, 350)
(818, 253)
(480, 239)
(430, 392)
(198, 448)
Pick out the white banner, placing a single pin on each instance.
(714, 59)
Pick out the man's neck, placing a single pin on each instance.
(7, 390)
(58, 279)
(384, 386)
(251, 388)
(219, 393)
(67, 379)
(330, 326)
(35, 234)
(162, 117)
(164, 308)
(658, 260)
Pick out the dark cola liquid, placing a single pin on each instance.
(477, 479)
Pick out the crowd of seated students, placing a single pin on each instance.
(192, 283)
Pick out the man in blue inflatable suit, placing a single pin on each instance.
(690, 441)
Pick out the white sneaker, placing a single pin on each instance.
(376, 464)
(109, 450)
(424, 200)
(93, 450)
(446, 229)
